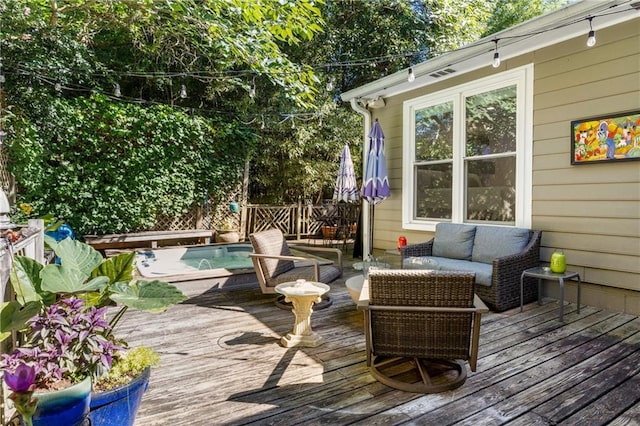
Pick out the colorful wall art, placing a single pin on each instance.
(615, 137)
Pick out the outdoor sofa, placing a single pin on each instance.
(497, 256)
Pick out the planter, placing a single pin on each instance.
(67, 406)
(329, 232)
(224, 236)
(119, 406)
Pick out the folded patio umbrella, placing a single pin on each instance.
(346, 187)
(375, 186)
(375, 182)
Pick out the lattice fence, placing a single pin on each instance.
(207, 216)
(5, 177)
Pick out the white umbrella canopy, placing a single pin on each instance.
(346, 188)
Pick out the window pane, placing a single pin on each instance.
(433, 191)
(491, 190)
(434, 132)
(491, 122)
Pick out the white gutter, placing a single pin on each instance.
(366, 237)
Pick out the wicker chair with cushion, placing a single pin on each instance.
(275, 264)
(420, 325)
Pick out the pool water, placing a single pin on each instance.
(220, 259)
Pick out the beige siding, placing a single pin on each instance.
(592, 211)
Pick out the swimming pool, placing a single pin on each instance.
(195, 262)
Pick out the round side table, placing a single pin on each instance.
(302, 295)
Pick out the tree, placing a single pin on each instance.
(217, 46)
(507, 13)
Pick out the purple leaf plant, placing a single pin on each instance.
(65, 341)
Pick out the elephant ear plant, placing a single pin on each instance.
(62, 309)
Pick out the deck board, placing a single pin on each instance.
(222, 364)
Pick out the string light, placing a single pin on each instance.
(41, 74)
(183, 91)
(330, 84)
(411, 77)
(591, 39)
(252, 89)
(496, 56)
(262, 126)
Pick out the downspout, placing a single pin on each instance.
(366, 238)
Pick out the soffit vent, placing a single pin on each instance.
(442, 73)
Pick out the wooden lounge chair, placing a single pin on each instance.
(420, 325)
(275, 264)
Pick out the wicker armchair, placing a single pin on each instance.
(420, 325)
(275, 264)
(504, 291)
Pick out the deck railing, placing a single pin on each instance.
(299, 220)
(33, 247)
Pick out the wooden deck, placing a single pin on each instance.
(222, 364)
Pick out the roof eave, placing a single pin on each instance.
(548, 29)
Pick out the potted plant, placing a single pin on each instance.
(89, 280)
(66, 347)
(227, 232)
(119, 393)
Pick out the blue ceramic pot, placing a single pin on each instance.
(64, 407)
(119, 406)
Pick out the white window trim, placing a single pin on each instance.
(522, 77)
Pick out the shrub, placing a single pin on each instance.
(110, 167)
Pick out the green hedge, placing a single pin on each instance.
(111, 167)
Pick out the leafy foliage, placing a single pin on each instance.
(83, 273)
(125, 368)
(113, 167)
(505, 14)
(217, 49)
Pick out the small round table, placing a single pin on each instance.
(543, 273)
(302, 295)
(354, 287)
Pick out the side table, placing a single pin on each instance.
(543, 273)
(302, 295)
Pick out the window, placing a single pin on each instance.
(467, 154)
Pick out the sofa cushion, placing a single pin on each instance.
(492, 242)
(453, 240)
(483, 271)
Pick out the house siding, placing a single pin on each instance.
(591, 212)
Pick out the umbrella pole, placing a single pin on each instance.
(371, 211)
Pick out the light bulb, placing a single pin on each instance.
(252, 91)
(58, 87)
(183, 91)
(591, 40)
(496, 60)
(411, 76)
(293, 123)
(2, 78)
(330, 84)
(116, 90)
